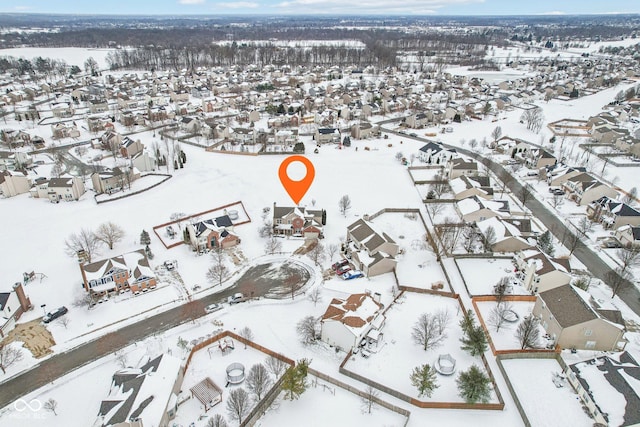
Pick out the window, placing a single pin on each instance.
(587, 332)
(590, 345)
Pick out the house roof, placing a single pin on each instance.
(355, 311)
(567, 306)
(61, 182)
(616, 208)
(4, 297)
(364, 233)
(135, 261)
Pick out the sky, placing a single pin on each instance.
(362, 7)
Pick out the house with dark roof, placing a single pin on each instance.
(584, 189)
(628, 235)
(346, 322)
(141, 397)
(13, 183)
(130, 271)
(573, 320)
(618, 371)
(612, 213)
(468, 186)
(326, 135)
(508, 236)
(540, 272)
(370, 250)
(473, 209)
(67, 188)
(130, 148)
(456, 167)
(434, 153)
(298, 221)
(212, 233)
(116, 179)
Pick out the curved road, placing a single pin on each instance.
(63, 363)
(627, 292)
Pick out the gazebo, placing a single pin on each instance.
(207, 392)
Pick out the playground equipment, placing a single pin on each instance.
(30, 277)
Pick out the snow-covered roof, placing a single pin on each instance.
(355, 312)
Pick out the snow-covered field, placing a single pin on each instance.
(72, 55)
(504, 337)
(545, 404)
(482, 274)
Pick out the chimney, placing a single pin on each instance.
(377, 297)
(25, 302)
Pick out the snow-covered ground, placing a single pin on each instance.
(72, 55)
(482, 274)
(504, 337)
(545, 404)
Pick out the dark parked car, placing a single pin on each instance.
(53, 315)
(341, 263)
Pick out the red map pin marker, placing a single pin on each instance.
(296, 189)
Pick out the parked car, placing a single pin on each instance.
(53, 315)
(236, 298)
(343, 270)
(558, 192)
(341, 263)
(355, 274)
(212, 307)
(413, 134)
(169, 265)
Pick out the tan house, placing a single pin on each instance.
(540, 273)
(13, 183)
(612, 214)
(628, 235)
(327, 135)
(118, 274)
(348, 322)
(465, 186)
(508, 236)
(68, 188)
(459, 167)
(130, 148)
(110, 181)
(64, 130)
(364, 130)
(298, 221)
(212, 233)
(472, 209)
(584, 189)
(572, 319)
(370, 251)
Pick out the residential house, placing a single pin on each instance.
(613, 374)
(67, 188)
(327, 135)
(145, 396)
(472, 209)
(110, 181)
(417, 120)
(298, 221)
(364, 130)
(13, 183)
(540, 158)
(12, 304)
(62, 110)
(130, 271)
(98, 106)
(130, 148)
(573, 320)
(144, 162)
(507, 237)
(628, 235)
(468, 186)
(558, 174)
(347, 322)
(456, 167)
(244, 135)
(190, 125)
(212, 233)
(612, 214)
(541, 273)
(435, 153)
(64, 130)
(14, 160)
(370, 251)
(584, 189)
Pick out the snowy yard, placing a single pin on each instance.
(545, 404)
(482, 274)
(392, 362)
(505, 337)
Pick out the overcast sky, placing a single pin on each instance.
(339, 7)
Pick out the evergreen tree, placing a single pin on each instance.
(424, 379)
(295, 380)
(468, 322)
(144, 238)
(545, 243)
(475, 341)
(147, 250)
(474, 385)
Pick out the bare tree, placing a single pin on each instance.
(498, 315)
(570, 240)
(629, 257)
(435, 209)
(630, 196)
(64, 321)
(496, 133)
(217, 421)
(344, 204)
(121, 359)
(315, 295)
(317, 254)
(439, 186)
(9, 355)
(51, 405)
(616, 278)
(85, 240)
(489, 238)
(247, 334)
(557, 200)
(331, 249)
(109, 233)
(425, 332)
(533, 118)
(369, 399)
(442, 318)
(218, 272)
(306, 329)
(258, 380)
(275, 366)
(528, 333)
(272, 245)
(501, 288)
(525, 194)
(238, 402)
(584, 226)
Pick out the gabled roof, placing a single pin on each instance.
(61, 182)
(355, 312)
(567, 306)
(363, 232)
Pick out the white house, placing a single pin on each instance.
(348, 321)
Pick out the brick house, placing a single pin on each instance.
(212, 233)
(12, 305)
(291, 221)
(120, 273)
